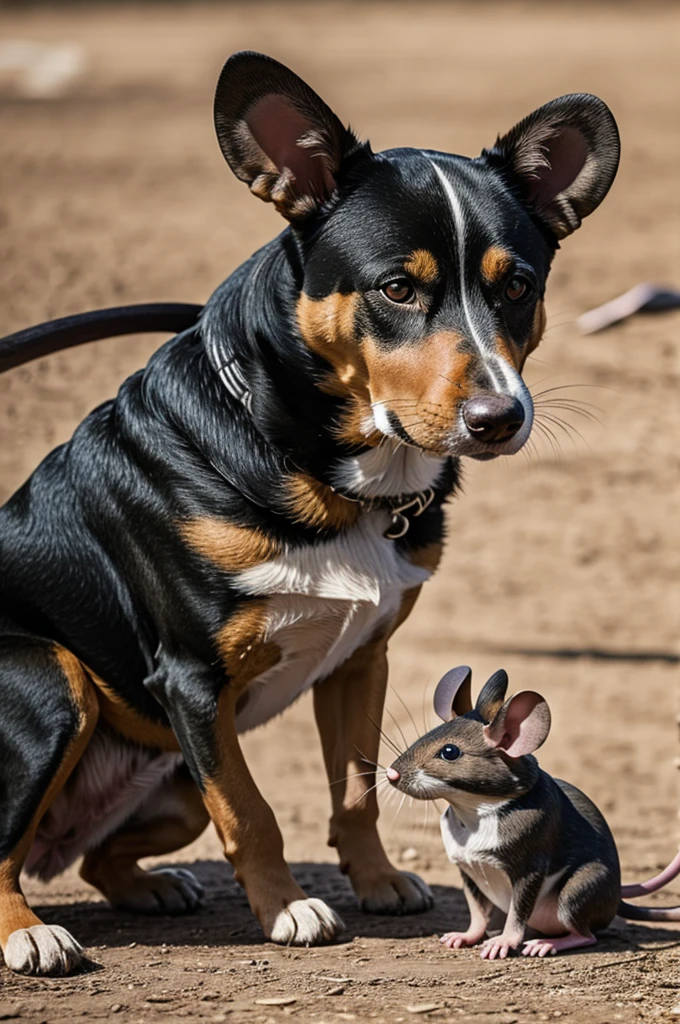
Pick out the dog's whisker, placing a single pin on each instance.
(569, 429)
(550, 437)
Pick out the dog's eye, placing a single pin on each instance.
(449, 753)
(400, 290)
(517, 289)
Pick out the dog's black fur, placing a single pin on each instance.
(274, 390)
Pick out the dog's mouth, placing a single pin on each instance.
(503, 430)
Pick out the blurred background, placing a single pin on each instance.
(561, 564)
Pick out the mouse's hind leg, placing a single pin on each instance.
(586, 903)
(549, 947)
(172, 818)
(49, 709)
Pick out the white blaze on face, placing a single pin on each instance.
(505, 378)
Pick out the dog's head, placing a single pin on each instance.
(421, 274)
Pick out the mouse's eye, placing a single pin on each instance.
(449, 753)
(400, 290)
(517, 288)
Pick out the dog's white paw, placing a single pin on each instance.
(307, 922)
(400, 893)
(161, 891)
(46, 949)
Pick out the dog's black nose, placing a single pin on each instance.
(493, 418)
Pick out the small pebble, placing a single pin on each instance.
(116, 1008)
(423, 1007)
(276, 1001)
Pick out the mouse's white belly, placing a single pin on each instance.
(472, 846)
(323, 602)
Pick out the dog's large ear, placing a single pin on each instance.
(277, 135)
(521, 725)
(452, 696)
(562, 159)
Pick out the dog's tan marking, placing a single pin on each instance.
(537, 327)
(14, 911)
(348, 708)
(423, 383)
(427, 557)
(327, 326)
(129, 722)
(422, 266)
(496, 262)
(315, 504)
(244, 652)
(226, 545)
(245, 823)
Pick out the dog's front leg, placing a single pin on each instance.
(201, 707)
(349, 707)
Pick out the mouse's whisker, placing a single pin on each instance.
(405, 707)
(388, 740)
(399, 728)
(375, 764)
(362, 796)
(394, 820)
(354, 775)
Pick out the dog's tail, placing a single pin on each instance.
(34, 342)
(633, 913)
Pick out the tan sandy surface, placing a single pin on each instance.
(562, 568)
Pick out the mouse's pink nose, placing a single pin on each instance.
(393, 775)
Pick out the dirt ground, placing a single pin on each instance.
(562, 567)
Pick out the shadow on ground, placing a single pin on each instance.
(226, 919)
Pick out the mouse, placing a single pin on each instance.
(532, 846)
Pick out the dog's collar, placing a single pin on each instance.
(400, 508)
(231, 375)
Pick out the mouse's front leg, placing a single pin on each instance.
(348, 708)
(480, 909)
(525, 892)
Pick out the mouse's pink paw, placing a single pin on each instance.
(456, 940)
(550, 947)
(499, 946)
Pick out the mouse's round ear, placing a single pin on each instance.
(277, 135)
(492, 695)
(521, 725)
(561, 159)
(453, 694)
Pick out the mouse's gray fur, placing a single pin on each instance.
(533, 846)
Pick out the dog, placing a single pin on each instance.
(256, 511)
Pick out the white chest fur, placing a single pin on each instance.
(323, 602)
(471, 841)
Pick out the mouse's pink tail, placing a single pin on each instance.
(653, 884)
(633, 913)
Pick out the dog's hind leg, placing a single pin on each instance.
(172, 818)
(49, 709)
(349, 708)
